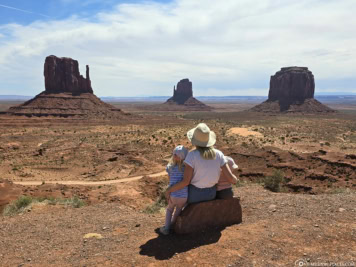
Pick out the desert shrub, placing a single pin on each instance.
(74, 202)
(18, 205)
(24, 202)
(160, 202)
(274, 182)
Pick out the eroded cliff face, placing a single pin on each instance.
(183, 98)
(62, 76)
(67, 94)
(292, 84)
(183, 92)
(292, 90)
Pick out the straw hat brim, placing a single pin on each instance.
(195, 142)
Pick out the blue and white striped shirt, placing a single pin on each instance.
(176, 176)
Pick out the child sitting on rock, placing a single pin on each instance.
(224, 188)
(177, 199)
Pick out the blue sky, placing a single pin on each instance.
(135, 48)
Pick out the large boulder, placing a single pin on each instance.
(62, 76)
(207, 215)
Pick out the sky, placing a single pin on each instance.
(143, 48)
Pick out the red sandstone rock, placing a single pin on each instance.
(292, 90)
(292, 84)
(207, 215)
(183, 92)
(62, 76)
(67, 94)
(183, 95)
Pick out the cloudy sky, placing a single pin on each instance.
(142, 48)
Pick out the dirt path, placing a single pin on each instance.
(78, 182)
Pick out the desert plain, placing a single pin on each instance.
(116, 168)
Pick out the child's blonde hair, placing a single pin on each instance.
(172, 162)
(181, 153)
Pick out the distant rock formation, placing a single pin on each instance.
(292, 90)
(62, 76)
(67, 94)
(183, 96)
(183, 92)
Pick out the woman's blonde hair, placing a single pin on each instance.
(172, 162)
(206, 152)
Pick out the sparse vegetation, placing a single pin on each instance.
(160, 202)
(24, 202)
(275, 181)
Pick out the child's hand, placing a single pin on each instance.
(167, 194)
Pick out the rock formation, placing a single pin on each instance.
(67, 94)
(292, 90)
(207, 215)
(183, 96)
(62, 76)
(183, 92)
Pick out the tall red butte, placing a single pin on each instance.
(183, 99)
(67, 94)
(292, 90)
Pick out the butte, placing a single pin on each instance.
(67, 94)
(183, 100)
(292, 91)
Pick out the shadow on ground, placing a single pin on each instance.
(164, 247)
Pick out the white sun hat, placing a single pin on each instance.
(201, 136)
(180, 151)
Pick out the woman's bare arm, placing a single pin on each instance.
(188, 175)
(228, 174)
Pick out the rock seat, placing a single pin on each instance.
(208, 215)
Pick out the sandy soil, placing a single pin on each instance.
(243, 132)
(277, 230)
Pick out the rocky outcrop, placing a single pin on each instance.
(183, 92)
(292, 90)
(292, 84)
(183, 96)
(67, 94)
(207, 215)
(62, 76)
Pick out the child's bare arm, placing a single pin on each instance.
(228, 174)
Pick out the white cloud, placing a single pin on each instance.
(146, 48)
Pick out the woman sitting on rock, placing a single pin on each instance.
(202, 167)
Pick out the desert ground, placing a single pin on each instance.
(116, 169)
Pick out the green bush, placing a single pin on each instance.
(274, 181)
(23, 202)
(18, 205)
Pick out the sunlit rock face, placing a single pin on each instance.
(62, 76)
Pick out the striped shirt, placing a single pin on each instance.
(176, 176)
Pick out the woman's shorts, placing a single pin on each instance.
(196, 194)
(225, 193)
